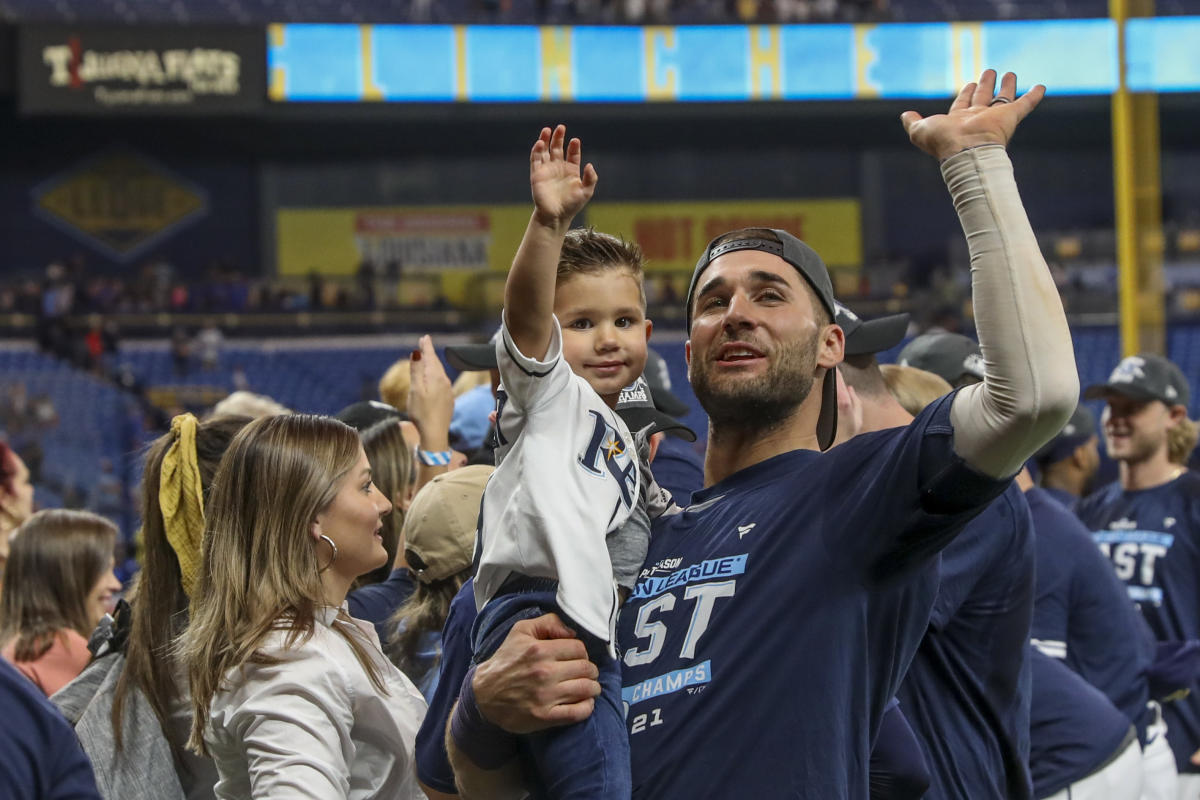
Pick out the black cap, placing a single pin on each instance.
(1145, 377)
(869, 336)
(949, 355)
(1079, 429)
(658, 378)
(473, 357)
(812, 268)
(366, 413)
(636, 407)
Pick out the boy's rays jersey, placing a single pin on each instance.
(566, 474)
(1152, 537)
(776, 615)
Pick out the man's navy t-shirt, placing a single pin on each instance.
(777, 614)
(40, 758)
(1073, 727)
(967, 691)
(1152, 537)
(1082, 614)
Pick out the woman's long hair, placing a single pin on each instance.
(158, 600)
(424, 611)
(394, 473)
(55, 560)
(260, 568)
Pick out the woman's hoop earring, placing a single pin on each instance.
(335, 551)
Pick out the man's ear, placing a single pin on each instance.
(832, 347)
(687, 352)
(655, 440)
(649, 329)
(1177, 414)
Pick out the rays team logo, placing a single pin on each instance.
(608, 453)
(1129, 370)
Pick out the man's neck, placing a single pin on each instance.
(732, 449)
(1070, 482)
(1150, 472)
(881, 412)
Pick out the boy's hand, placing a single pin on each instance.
(560, 189)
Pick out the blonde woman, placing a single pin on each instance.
(292, 696)
(59, 583)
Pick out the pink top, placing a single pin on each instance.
(56, 667)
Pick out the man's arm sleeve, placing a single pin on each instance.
(1032, 386)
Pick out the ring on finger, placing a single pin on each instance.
(1000, 100)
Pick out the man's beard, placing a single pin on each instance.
(761, 403)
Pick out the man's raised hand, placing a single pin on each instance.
(978, 116)
(560, 188)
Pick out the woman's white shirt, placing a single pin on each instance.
(313, 725)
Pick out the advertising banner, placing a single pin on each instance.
(138, 69)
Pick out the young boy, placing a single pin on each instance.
(564, 519)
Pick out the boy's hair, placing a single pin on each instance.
(587, 251)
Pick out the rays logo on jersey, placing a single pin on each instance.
(1135, 555)
(607, 452)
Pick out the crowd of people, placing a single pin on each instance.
(885, 581)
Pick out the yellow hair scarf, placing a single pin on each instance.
(181, 499)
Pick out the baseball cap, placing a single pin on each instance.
(658, 378)
(866, 337)
(1079, 429)
(636, 406)
(812, 269)
(366, 413)
(1145, 377)
(473, 357)
(949, 355)
(439, 526)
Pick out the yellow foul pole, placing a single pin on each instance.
(1138, 199)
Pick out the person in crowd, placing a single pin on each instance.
(782, 533)
(377, 594)
(953, 357)
(396, 383)
(42, 759)
(16, 498)
(130, 708)
(290, 695)
(439, 542)
(241, 403)
(967, 692)
(1148, 523)
(474, 400)
(1068, 464)
(59, 583)
(1082, 616)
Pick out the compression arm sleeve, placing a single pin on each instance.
(1032, 386)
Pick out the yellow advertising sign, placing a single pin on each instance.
(120, 203)
(673, 235)
(335, 241)
(456, 241)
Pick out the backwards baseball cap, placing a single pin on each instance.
(949, 355)
(1145, 377)
(867, 337)
(366, 413)
(1079, 429)
(473, 357)
(812, 269)
(658, 378)
(636, 406)
(439, 526)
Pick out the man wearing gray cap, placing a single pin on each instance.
(952, 356)
(775, 616)
(1068, 463)
(1148, 524)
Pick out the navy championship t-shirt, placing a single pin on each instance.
(1152, 537)
(777, 614)
(1082, 614)
(967, 691)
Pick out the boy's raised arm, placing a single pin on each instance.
(560, 191)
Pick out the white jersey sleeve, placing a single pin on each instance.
(567, 473)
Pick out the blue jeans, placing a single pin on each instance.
(587, 760)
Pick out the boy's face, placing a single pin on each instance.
(604, 329)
